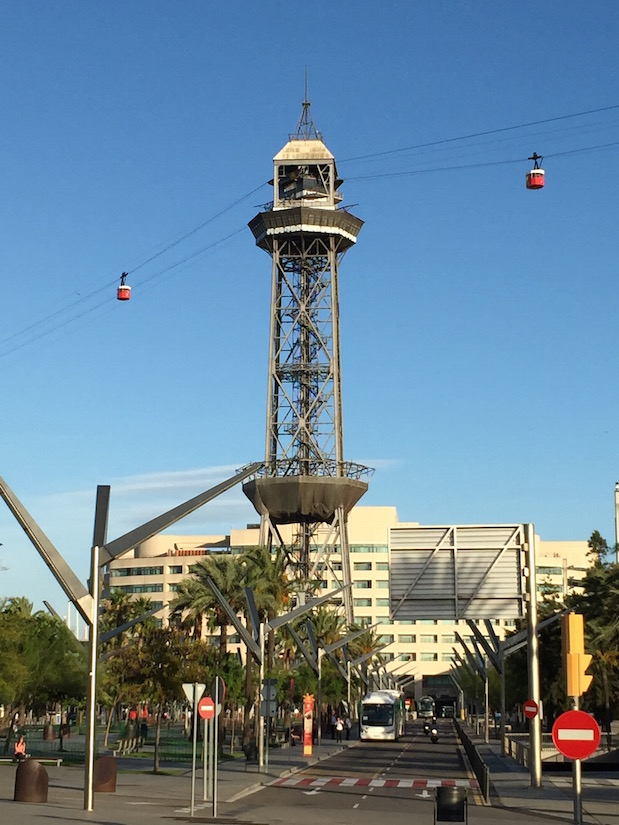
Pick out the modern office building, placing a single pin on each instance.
(155, 568)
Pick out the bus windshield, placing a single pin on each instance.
(377, 714)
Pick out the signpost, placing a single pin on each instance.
(206, 707)
(576, 734)
(531, 709)
(193, 691)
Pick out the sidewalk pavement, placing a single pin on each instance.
(141, 801)
(510, 787)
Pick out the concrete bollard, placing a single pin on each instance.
(31, 782)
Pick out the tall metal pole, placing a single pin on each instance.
(503, 702)
(91, 734)
(487, 710)
(102, 505)
(205, 774)
(319, 708)
(617, 522)
(577, 778)
(535, 739)
(349, 691)
(260, 718)
(194, 720)
(216, 748)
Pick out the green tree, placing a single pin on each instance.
(165, 660)
(115, 683)
(42, 664)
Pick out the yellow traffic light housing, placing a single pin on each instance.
(575, 660)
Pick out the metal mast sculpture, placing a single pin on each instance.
(305, 480)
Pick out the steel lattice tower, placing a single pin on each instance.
(305, 479)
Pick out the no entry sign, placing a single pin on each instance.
(576, 734)
(206, 707)
(530, 709)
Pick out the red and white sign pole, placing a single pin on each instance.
(576, 735)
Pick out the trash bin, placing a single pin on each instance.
(450, 804)
(48, 732)
(105, 773)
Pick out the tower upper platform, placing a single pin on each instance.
(306, 194)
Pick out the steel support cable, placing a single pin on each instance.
(484, 133)
(196, 229)
(480, 164)
(110, 284)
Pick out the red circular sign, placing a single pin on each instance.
(206, 707)
(530, 709)
(576, 734)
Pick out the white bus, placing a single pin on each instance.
(381, 715)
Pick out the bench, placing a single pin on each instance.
(124, 746)
(44, 760)
(279, 737)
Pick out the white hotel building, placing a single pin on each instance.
(155, 568)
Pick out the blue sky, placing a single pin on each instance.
(478, 318)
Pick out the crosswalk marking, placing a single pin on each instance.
(364, 782)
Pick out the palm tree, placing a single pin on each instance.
(267, 575)
(196, 602)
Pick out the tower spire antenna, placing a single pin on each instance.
(306, 130)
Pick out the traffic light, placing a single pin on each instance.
(575, 660)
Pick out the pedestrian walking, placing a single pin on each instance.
(348, 725)
(339, 727)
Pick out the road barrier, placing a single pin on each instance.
(480, 769)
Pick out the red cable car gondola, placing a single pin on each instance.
(123, 293)
(535, 178)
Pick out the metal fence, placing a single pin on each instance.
(480, 769)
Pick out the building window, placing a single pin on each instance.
(407, 657)
(362, 602)
(382, 565)
(382, 602)
(448, 639)
(426, 639)
(140, 588)
(385, 639)
(427, 621)
(549, 571)
(428, 657)
(548, 587)
(407, 639)
(175, 569)
(446, 657)
(369, 548)
(382, 584)
(362, 585)
(363, 565)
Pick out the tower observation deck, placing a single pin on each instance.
(305, 480)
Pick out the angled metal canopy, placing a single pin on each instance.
(66, 578)
(113, 549)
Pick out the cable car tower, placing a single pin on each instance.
(305, 480)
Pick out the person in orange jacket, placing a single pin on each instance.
(20, 749)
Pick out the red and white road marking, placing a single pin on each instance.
(366, 782)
